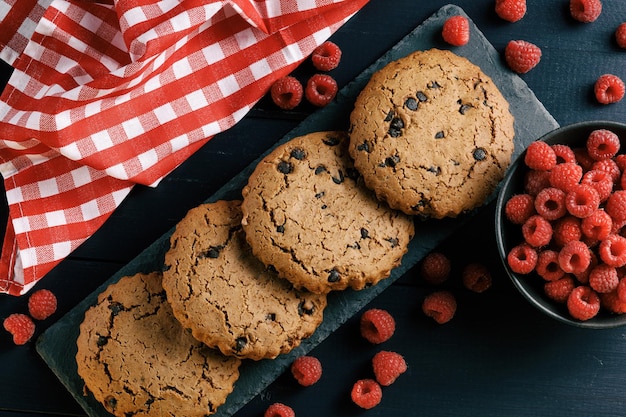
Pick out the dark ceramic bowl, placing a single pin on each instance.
(509, 235)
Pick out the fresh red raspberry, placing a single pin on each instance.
(583, 277)
(511, 10)
(620, 161)
(621, 289)
(279, 410)
(522, 259)
(611, 302)
(286, 92)
(519, 208)
(535, 181)
(583, 158)
(548, 266)
(377, 325)
(522, 56)
(582, 200)
(616, 205)
(566, 230)
(440, 306)
(610, 167)
(307, 370)
(435, 268)
(601, 181)
(564, 176)
(550, 203)
(620, 35)
(320, 89)
(540, 156)
(20, 326)
(456, 31)
(602, 144)
(563, 153)
(612, 251)
(597, 226)
(603, 278)
(609, 89)
(326, 57)
(574, 257)
(537, 231)
(476, 277)
(366, 393)
(618, 227)
(622, 181)
(560, 289)
(42, 304)
(388, 366)
(583, 303)
(585, 11)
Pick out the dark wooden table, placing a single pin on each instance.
(497, 357)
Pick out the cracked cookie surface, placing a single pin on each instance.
(226, 296)
(307, 214)
(431, 134)
(137, 359)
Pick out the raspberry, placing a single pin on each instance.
(601, 181)
(574, 257)
(286, 92)
(535, 181)
(583, 303)
(564, 176)
(620, 35)
(550, 203)
(597, 226)
(566, 230)
(20, 326)
(540, 156)
(602, 144)
(582, 200)
(511, 10)
(326, 57)
(620, 161)
(603, 278)
(583, 277)
(476, 277)
(377, 325)
(537, 231)
(279, 410)
(435, 268)
(388, 366)
(42, 304)
(522, 56)
(366, 393)
(621, 289)
(612, 251)
(522, 259)
(616, 205)
(519, 208)
(307, 370)
(440, 306)
(611, 302)
(609, 89)
(320, 89)
(560, 289)
(563, 153)
(585, 11)
(456, 31)
(548, 266)
(583, 158)
(610, 167)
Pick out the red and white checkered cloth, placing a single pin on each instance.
(106, 96)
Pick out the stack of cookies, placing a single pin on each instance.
(328, 211)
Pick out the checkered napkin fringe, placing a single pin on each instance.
(108, 95)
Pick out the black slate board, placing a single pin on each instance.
(56, 345)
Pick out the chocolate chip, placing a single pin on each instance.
(334, 275)
(393, 241)
(355, 245)
(395, 127)
(365, 146)
(115, 308)
(324, 207)
(331, 140)
(392, 161)
(270, 317)
(389, 116)
(280, 229)
(102, 341)
(320, 169)
(435, 170)
(339, 179)
(410, 103)
(464, 107)
(213, 252)
(440, 135)
(285, 167)
(110, 402)
(320, 194)
(421, 96)
(240, 343)
(364, 233)
(433, 84)
(479, 154)
(298, 154)
(306, 307)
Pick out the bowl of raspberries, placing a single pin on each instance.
(561, 224)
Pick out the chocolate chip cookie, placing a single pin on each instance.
(226, 296)
(431, 134)
(308, 215)
(137, 359)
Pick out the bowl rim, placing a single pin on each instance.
(543, 304)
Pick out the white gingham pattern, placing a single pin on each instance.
(105, 96)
